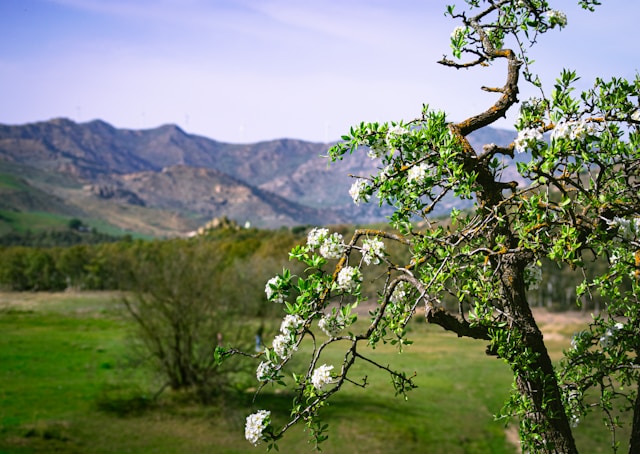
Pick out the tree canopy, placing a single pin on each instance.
(581, 205)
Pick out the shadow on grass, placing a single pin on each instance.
(338, 408)
(375, 423)
(124, 400)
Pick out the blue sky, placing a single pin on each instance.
(251, 70)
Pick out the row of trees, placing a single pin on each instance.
(112, 265)
(88, 267)
(76, 233)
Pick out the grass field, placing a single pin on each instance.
(68, 384)
(34, 221)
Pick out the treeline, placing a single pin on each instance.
(244, 261)
(557, 290)
(75, 233)
(53, 238)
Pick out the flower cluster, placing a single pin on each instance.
(628, 229)
(534, 105)
(376, 150)
(573, 403)
(459, 30)
(574, 130)
(265, 370)
(316, 237)
(397, 131)
(332, 325)
(332, 247)
(556, 17)
(395, 136)
(385, 173)
(349, 278)
(400, 292)
(321, 376)
(329, 245)
(525, 137)
(291, 323)
(417, 174)
(372, 250)
(284, 345)
(615, 256)
(607, 339)
(273, 290)
(255, 425)
(358, 191)
(579, 340)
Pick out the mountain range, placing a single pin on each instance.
(165, 182)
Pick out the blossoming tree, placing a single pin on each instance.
(582, 204)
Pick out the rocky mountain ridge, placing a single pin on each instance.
(105, 172)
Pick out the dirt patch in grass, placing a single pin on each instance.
(82, 301)
(558, 321)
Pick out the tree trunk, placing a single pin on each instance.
(541, 388)
(536, 378)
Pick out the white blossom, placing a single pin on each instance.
(358, 191)
(556, 17)
(321, 376)
(400, 292)
(283, 345)
(614, 257)
(372, 250)
(581, 129)
(255, 425)
(627, 228)
(264, 370)
(635, 116)
(525, 136)
(331, 325)
(459, 30)
(274, 295)
(291, 323)
(397, 130)
(573, 402)
(395, 136)
(574, 342)
(575, 420)
(386, 173)
(417, 174)
(376, 150)
(561, 131)
(348, 278)
(576, 339)
(316, 237)
(575, 130)
(607, 339)
(332, 247)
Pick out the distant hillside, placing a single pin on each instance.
(164, 181)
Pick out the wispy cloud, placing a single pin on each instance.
(186, 13)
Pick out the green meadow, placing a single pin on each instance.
(70, 383)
